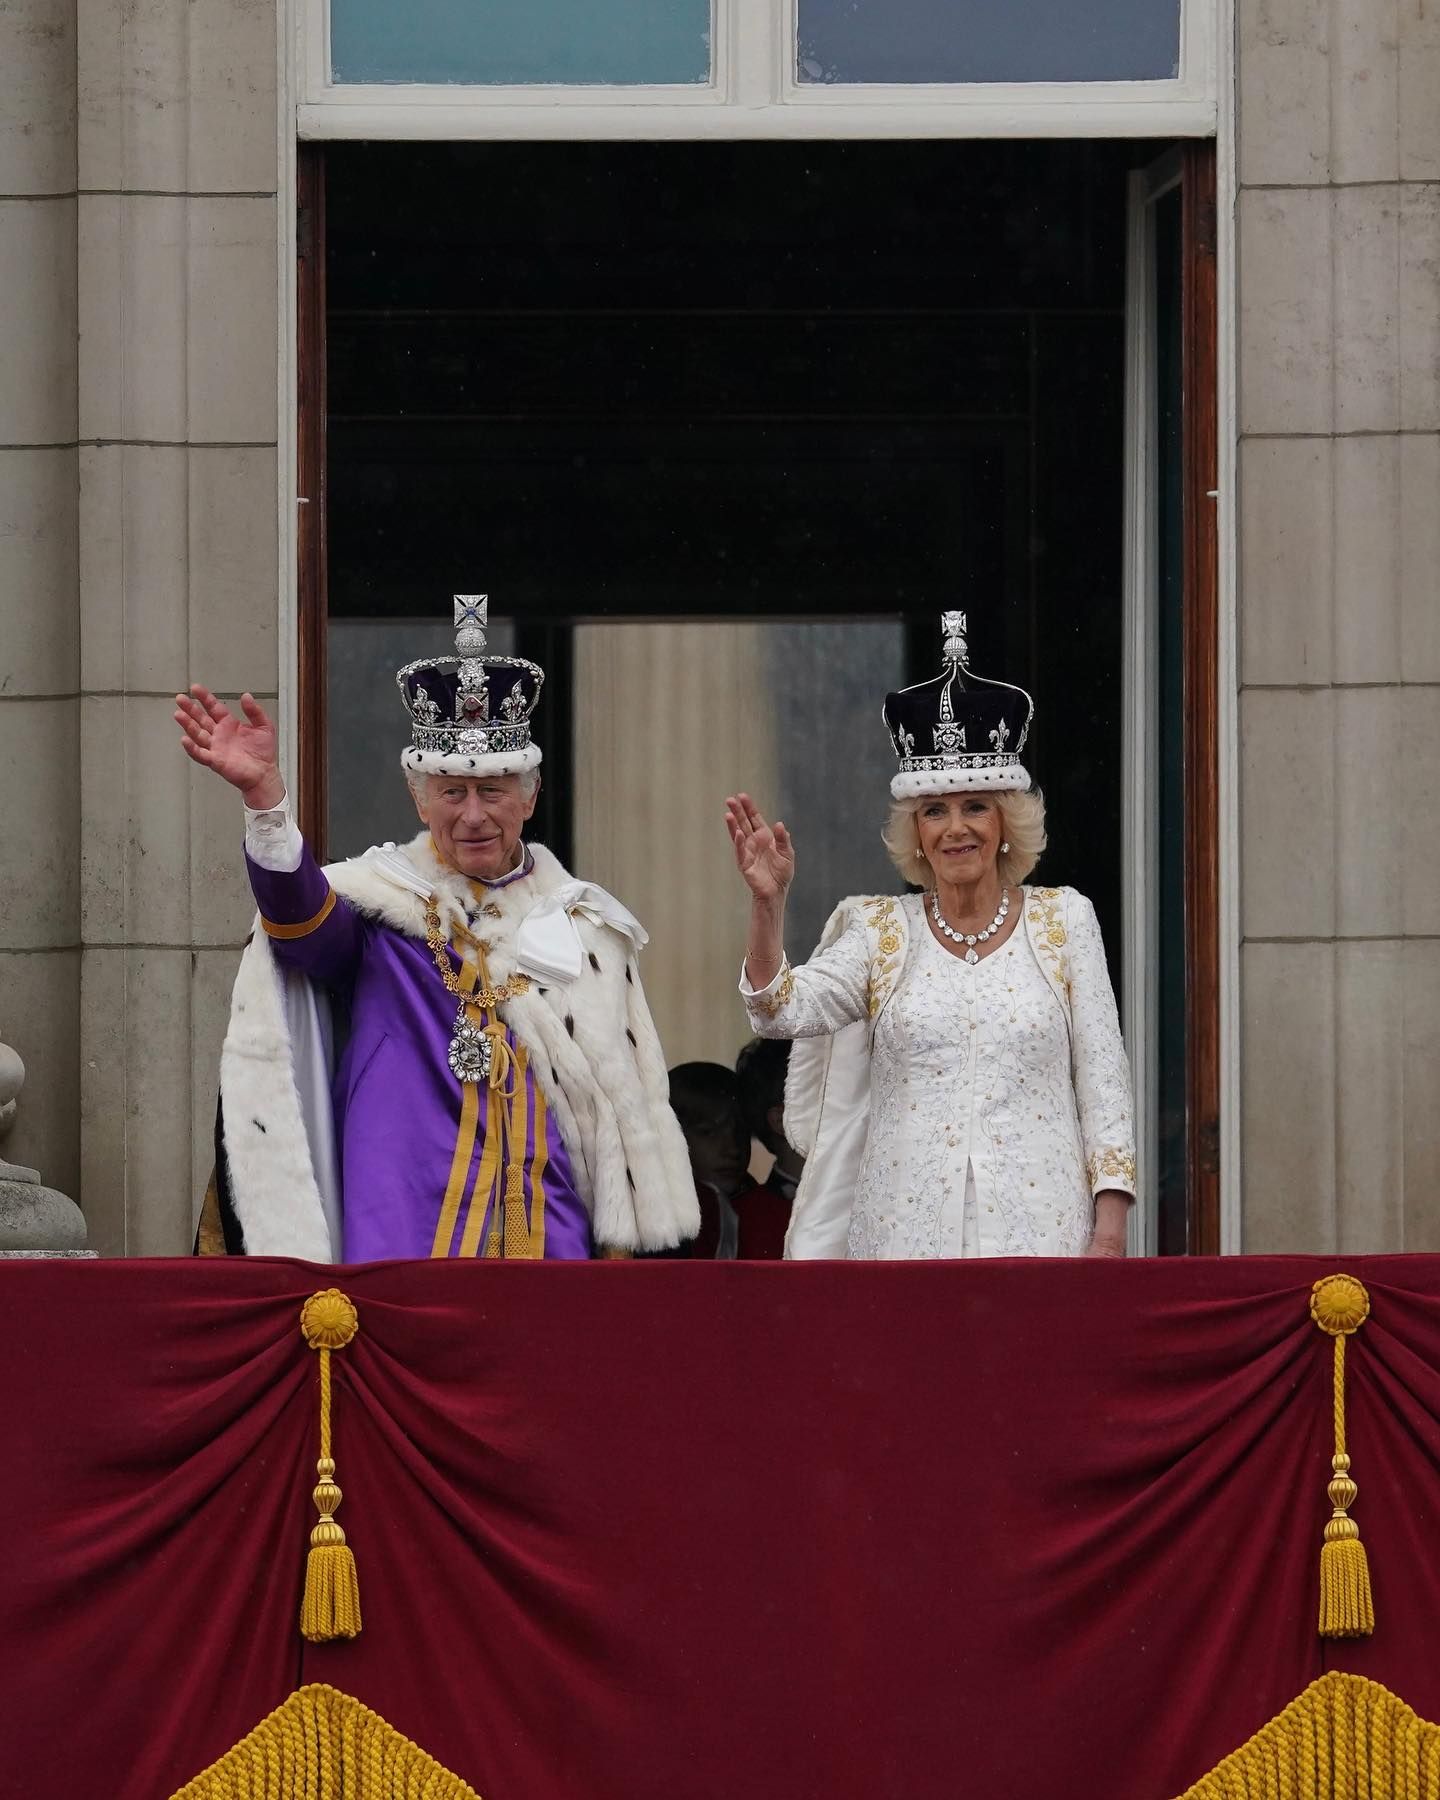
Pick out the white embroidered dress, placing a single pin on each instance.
(996, 1096)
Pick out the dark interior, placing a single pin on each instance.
(785, 380)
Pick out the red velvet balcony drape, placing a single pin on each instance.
(631, 1531)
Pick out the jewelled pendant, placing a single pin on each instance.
(471, 1050)
(972, 956)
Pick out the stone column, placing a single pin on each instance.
(178, 309)
(39, 666)
(1339, 471)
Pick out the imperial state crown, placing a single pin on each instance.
(470, 713)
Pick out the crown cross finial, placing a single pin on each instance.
(472, 614)
(953, 624)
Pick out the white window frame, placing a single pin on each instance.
(753, 93)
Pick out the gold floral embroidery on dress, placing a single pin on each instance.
(1112, 1163)
(771, 1004)
(882, 921)
(1045, 910)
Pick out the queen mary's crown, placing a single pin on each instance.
(470, 713)
(959, 731)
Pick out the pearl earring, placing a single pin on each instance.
(1004, 849)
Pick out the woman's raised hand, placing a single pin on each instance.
(244, 752)
(764, 853)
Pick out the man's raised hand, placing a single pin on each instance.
(243, 751)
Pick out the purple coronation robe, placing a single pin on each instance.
(422, 1172)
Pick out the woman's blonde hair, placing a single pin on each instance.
(1022, 825)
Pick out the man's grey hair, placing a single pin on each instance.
(529, 780)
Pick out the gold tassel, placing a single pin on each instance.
(331, 1604)
(1339, 1305)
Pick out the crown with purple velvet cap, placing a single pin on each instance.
(470, 713)
(958, 731)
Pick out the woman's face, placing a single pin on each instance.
(960, 835)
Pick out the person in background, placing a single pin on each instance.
(764, 1208)
(705, 1097)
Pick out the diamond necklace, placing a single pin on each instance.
(970, 938)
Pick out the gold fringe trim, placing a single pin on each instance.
(1340, 1305)
(1344, 1738)
(330, 1607)
(324, 1745)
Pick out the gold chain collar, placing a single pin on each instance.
(485, 998)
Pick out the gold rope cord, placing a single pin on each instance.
(1344, 1738)
(324, 1745)
(330, 1606)
(1340, 1305)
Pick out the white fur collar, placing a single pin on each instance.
(392, 883)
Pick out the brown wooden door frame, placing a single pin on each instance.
(1200, 390)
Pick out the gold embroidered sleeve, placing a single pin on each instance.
(1103, 1093)
(1110, 1165)
(773, 1001)
(821, 995)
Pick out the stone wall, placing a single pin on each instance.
(39, 581)
(1339, 584)
(138, 549)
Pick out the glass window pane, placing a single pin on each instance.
(518, 42)
(670, 716)
(978, 40)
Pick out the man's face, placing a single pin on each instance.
(476, 821)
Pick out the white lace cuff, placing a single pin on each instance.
(272, 838)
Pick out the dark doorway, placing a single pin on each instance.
(786, 384)
(747, 379)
